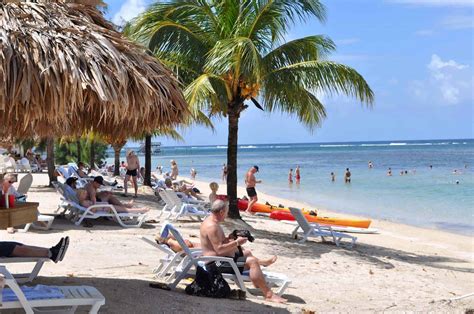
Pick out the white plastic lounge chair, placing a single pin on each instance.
(192, 259)
(171, 259)
(26, 277)
(180, 209)
(126, 220)
(78, 212)
(74, 296)
(316, 230)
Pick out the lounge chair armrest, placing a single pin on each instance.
(215, 259)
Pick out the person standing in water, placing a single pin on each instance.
(297, 174)
(250, 182)
(347, 176)
(290, 176)
(133, 165)
(333, 177)
(389, 172)
(371, 165)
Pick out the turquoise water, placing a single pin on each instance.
(427, 197)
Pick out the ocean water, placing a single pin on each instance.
(427, 197)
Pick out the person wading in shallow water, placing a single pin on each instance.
(297, 174)
(250, 182)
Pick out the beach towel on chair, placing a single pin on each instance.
(38, 292)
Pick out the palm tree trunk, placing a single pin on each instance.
(92, 155)
(79, 151)
(117, 150)
(147, 178)
(50, 160)
(232, 140)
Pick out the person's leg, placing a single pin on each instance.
(252, 201)
(262, 262)
(125, 184)
(135, 185)
(29, 251)
(123, 209)
(258, 279)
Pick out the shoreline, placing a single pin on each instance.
(265, 197)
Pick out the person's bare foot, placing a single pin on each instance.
(249, 212)
(268, 261)
(276, 298)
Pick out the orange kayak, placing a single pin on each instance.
(263, 208)
(336, 221)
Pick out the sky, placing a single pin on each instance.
(416, 55)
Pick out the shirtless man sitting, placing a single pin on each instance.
(91, 197)
(215, 243)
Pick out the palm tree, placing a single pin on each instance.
(230, 54)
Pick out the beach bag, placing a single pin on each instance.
(209, 283)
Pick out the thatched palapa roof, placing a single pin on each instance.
(65, 70)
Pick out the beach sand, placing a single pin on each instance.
(403, 268)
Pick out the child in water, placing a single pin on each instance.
(290, 176)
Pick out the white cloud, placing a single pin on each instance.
(437, 64)
(448, 81)
(458, 21)
(437, 3)
(129, 10)
(347, 41)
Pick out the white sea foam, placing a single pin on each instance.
(247, 147)
(221, 147)
(335, 145)
(397, 144)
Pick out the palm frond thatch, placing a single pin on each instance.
(64, 69)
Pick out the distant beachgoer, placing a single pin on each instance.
(224, 173)
(159, 169)
(455, 171)
(431, 166)
(333, 176)
(465, 166)
(133, 165)
(142, 172)
(174, 170)
(406, 171)
(347, 176)
(297, 174)
(371, 165)
(193, 173)
(213, 196)
(401, 173)
(290, 176)
(457, 181)
(389, 172)
(250, 182)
